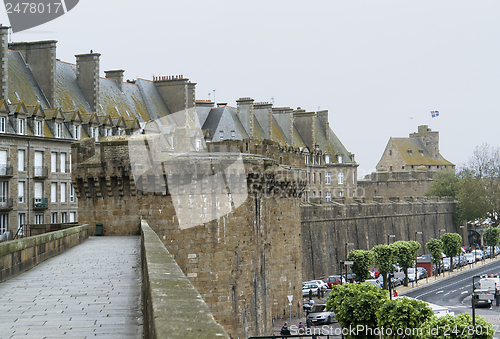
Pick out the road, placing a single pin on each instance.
(455, 293)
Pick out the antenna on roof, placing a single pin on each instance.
(214, 95)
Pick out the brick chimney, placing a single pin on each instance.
(263, 112)
(284, 118)
(116, 75)
(246, 113)
(87, 76)
(4, 70)
(41, 59)
(177, 93)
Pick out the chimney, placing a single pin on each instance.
(4, 70)
(284, 118)
(177, 93)
(304, 122)
(40, 56)
(323, 121)
(116, 75)
(245, 112)
(87, 76)
(429, 138)
(263, 112)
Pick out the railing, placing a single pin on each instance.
(40, 172)
(6, 171)
(5, 203)
(28, 230)
(40, 203)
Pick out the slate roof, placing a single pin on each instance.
(419, 154)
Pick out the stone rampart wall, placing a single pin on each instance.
(327, 227)
(20, 255)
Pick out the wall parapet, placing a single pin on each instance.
(172, 307)
(18, 256)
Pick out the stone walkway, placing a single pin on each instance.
(90, 291)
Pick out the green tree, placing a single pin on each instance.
(356, 305)
(384, 257)
(404, 313)
(444, 184)
(435, 246)
(491, 238)
(452, 245)
(362, 260)
(457, 327)
(473, 202)
(406, 251)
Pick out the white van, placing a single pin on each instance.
(490, 283)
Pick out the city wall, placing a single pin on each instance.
(326, 228)
(244, 263)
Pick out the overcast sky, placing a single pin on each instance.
(379, 67)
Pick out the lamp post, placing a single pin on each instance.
(341, 264)
(460, 254)
(444, 231)
(416, 254)
(346, 244)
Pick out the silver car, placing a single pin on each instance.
(319, 315)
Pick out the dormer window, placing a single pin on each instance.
(95, 133)
(307, 160)
(20, 126)
(233, 134)
(77, 132)
(421, 152)
(58, 129)
(221, 134)
(341, 159)
(39, 128)
(198, 145)
(108, 132)
(2, 124)
(327, 159)
(121, 131)
(410, 152)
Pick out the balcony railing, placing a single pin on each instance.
(40, 203)
(5, 203)
(40, 171)
(6, 171)
(28, 230)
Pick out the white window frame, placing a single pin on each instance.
(341, 178)
(38, 128)
(62, 188)
(53, 217)
(233, 134)
(95, 133)
(38, 218)
(4, 223)
(72, 216)
(20, 126)
(53, 162)
(108, 132)
(328, 196)
(307, 160)
(341, 194)
(64, 217)
(62, 161)
(4, 191)
(21, 219)
(20, 192)
(21, 156)
(71, 193)
(58, 130)
(197, 144)
(38, 192)
(328, 178)
(221, 134)
(53, 192)
(76, 132)
(3, 124)
(327, 159)
(341, 159)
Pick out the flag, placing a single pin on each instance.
(435, 114)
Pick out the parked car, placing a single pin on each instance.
(333, 280)
(478, 297)
(422, 273)
(310, 287)
(478, 253)
(351, 278)
(320, 283)
(373, 282)
(374, 272)
(319, 315)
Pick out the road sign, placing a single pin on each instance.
(290, 298)
(348, 262)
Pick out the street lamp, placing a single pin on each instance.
(389, 237)
(416, 254)
(460, 254)
(346, 244)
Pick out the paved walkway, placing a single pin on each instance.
(90, 291)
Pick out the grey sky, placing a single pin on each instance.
(378, 66)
